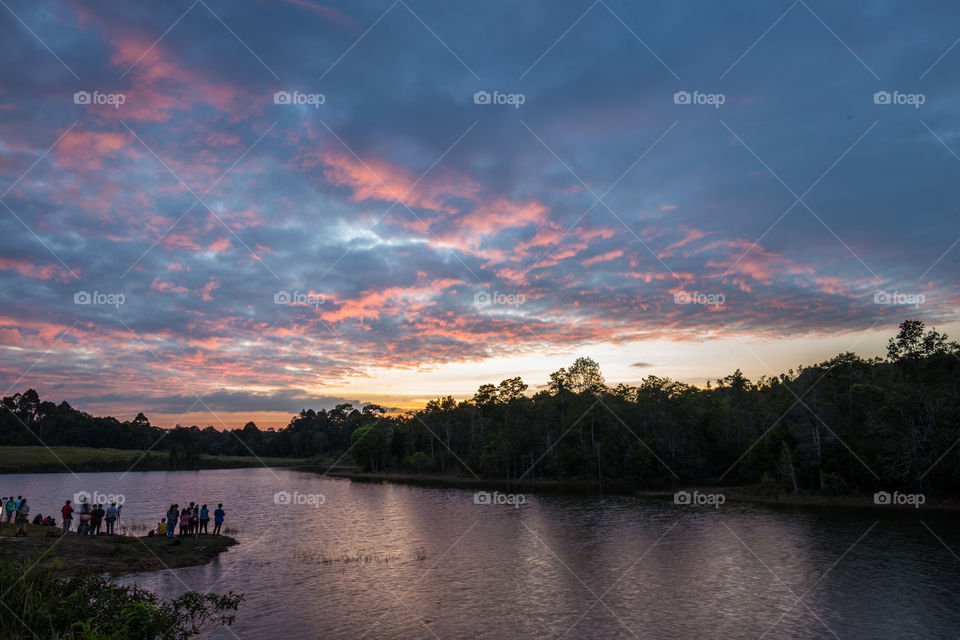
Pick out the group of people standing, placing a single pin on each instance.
(91, 519)
(17, 509)
(192, 520)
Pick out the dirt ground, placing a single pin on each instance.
(113, 555)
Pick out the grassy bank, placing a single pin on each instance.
(469, 482)
(74, 555)
(60, 587)
(752, 494)
(77, 459)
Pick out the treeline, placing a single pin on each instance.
(848, 425)
(27, 420)
(844, 426)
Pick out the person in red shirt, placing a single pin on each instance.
(67, 512)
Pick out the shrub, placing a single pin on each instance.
(95, 608)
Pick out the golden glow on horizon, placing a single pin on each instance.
(690, 362)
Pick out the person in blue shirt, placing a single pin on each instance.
(172, 516)
(204, 519)
(10, 506)
(111, 517)
(218, 519)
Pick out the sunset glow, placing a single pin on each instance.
(264, 208)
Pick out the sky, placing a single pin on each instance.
(215, 211)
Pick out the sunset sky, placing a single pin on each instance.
(466, 192)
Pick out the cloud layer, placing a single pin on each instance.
(263, 201)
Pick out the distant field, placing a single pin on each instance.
(60, 459)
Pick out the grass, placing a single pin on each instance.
(140, 528)
(59, 459)
(44, 602)
(316, 556)
(117, 554)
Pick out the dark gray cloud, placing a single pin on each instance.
(510, 210)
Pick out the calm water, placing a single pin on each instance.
(574, 567)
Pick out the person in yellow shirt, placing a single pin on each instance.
(162, 527)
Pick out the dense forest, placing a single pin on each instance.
(845, 426)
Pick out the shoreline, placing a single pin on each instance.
(115, 555)
(37, 459)
(743, 494)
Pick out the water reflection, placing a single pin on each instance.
(554, 567)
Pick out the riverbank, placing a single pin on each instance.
(73, 555)
(469, 482)
(79, 459)
(752, 494)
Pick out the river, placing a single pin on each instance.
(330, 558)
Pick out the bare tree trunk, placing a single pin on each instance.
(786, 467)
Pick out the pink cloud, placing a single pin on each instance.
(332, 14)
(38, 271)
(753, 262)
(603, 257)
(221, 244)
(11, 337)
(206, 292)
(176, 240)
(165, 287)
(489, 218)
(86, 150)
(160, 85)
(451, 225)
(378, 179)
(691, 236)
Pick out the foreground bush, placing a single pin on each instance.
(39, 603)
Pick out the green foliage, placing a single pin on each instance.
(369, 446)
(861, 425)
(768, 486)
(912, 344)
(584, 376)
(418, 461)
(846, 425)
(95, 608)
